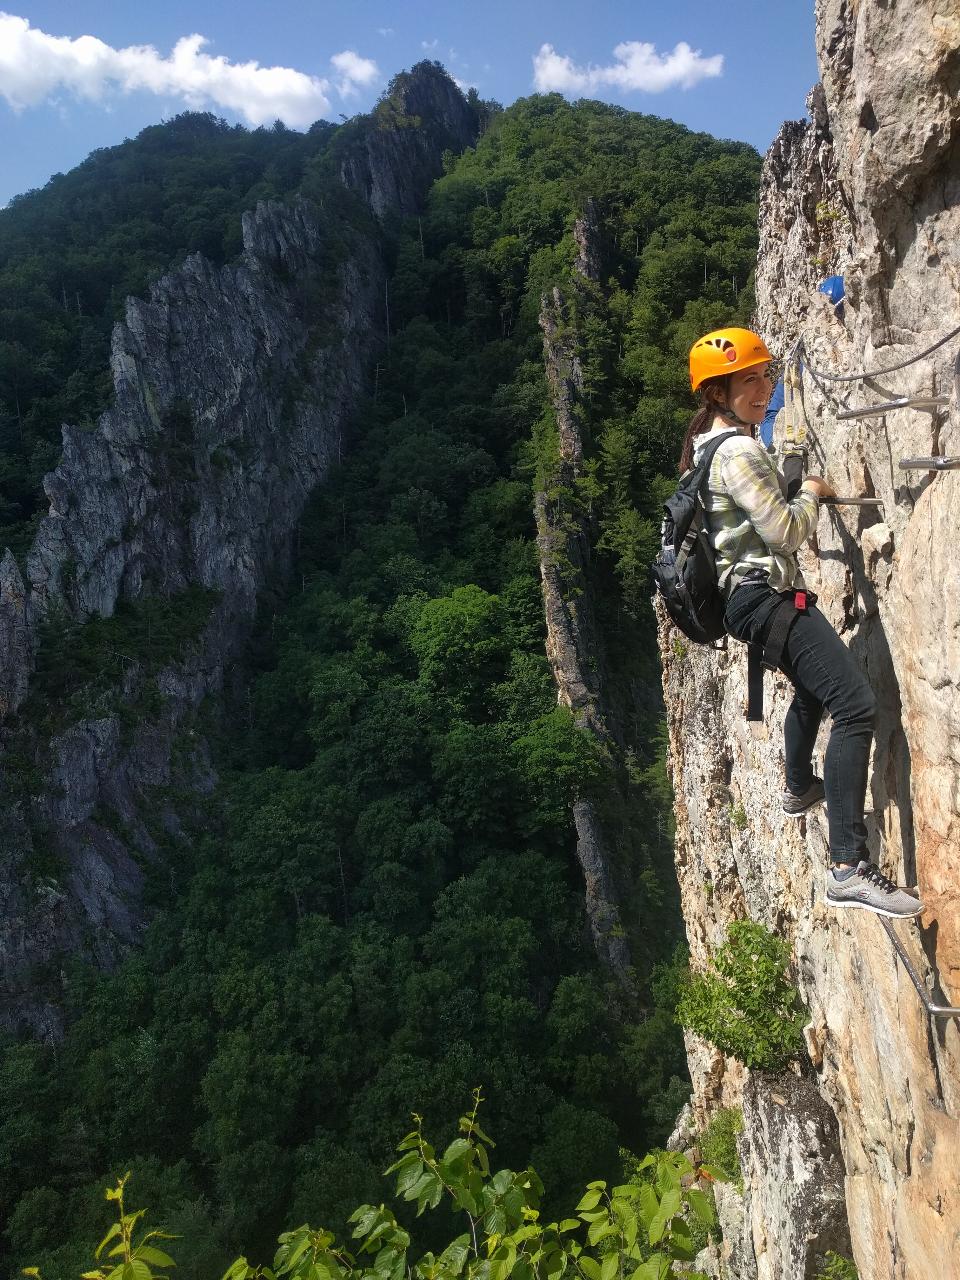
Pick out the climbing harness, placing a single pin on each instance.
(904, 402)
(936, 463)
(935, 1010)
(769, 654)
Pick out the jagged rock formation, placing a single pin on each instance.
(16, 637)
(869, 188)
(573, 645)
(221, 424)
(233, 391)
(396, 158)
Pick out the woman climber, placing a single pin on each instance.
(757, 522)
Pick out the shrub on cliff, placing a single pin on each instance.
(718, 1143)
(745, 1003)
(836, 1267)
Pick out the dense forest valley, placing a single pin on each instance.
(378, 907)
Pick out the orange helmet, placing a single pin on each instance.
(723, 351)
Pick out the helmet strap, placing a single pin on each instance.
(735, 418)
(727, 412)
(724, 411)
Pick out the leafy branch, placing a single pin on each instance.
(641, 1230)
(135, 1259)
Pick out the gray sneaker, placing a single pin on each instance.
(869, 889)
(795, 806)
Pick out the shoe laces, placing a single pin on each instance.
(876, 876)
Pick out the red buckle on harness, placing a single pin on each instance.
(800, 600)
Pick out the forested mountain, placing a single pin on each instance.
(378, 907)
(71, 253)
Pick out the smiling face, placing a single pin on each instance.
(748, 392)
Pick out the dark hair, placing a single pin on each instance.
(709, 401)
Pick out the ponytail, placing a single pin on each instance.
(702, 419)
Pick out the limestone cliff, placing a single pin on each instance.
(233, 392)
(869, 188)
(574, 646)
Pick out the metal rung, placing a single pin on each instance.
(905, 402)
(935, 1010)
(851, 502)
(938, 463)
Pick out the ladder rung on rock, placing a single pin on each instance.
(937, 463)
(935, 1010)
(905, 402)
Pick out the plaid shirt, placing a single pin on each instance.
(751, 523)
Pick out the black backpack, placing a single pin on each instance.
(685, 570)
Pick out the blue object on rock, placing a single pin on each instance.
(833, 288)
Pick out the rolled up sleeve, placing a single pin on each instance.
(752, 483)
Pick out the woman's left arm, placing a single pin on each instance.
(753, 484)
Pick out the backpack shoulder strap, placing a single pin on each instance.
(700, 472)
(693, 482)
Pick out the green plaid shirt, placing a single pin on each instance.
(751, 523)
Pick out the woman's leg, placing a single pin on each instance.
(823, 670)
(800, 728)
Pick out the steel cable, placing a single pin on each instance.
(799, 349)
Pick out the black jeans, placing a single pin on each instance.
(824, 676)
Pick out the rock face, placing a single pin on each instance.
(573, 641)
(16, 637)
(233, 392)
(793, 1177)
(870, 189)
(397, 155)
(221, 426)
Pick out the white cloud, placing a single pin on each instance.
(34, 67)
(429, 44)
(355, 72)
(636, 66)
(384, 31)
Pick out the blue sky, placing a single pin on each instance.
(736, 71)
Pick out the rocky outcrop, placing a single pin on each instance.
(233, 393)
(222, 424)
(16, 636)
(573, 643)
(869, 188)
(795, 1212)
(394, 157)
